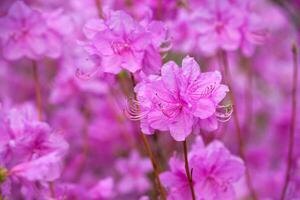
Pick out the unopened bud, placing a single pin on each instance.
(3, 174)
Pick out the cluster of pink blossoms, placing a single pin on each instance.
(100, 100)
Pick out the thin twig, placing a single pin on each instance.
(155, 165)
(293, 122)
(187, 170)
(99, 8)
(156, 168)
(39, 103)
(224, 62)
(38, 92)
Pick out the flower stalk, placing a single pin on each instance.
(39, 104)
(241, 146)
(38, 93)
(155, 165)
(187, 170)
(293, 122)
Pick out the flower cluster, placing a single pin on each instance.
(149, 99)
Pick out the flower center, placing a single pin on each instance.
(119, 47)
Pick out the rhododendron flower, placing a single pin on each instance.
(29, 148)
(104, 189)
(228, 25)
(27, 32)
(122, 42)
(134, 174)
(177, 99)
(176, 180)
(214, 171)
(45, 168)
(218, 23)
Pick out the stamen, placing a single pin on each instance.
(224, 112)
(132, 110)
(86, 75)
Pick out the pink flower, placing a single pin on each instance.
(177, 99)
(134, 174)
(121, 42)
(214, 171)
(218, 24)
(29, 148)
(45, 168)
(253, 29)
(176, 180)
(30, 33)
(104, 189)
(228, 25)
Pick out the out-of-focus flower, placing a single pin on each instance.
(104, 189)
(134, 174)
(176, 100)
(176, 180)
(218, 24)
(121, 42)
(32, 34)
(214, 171)
(29, 149)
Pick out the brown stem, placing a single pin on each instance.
(159, 9)
(158, 150)
(39, 103)
(249, 97)
(293, 122)
(187, 170)
(52, 190)
(99, 8)
(156, 168)
(86, 145)
(38, 92)
(155, 165)
(241, 145)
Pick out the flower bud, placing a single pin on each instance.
(3, 174)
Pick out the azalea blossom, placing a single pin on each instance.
(123, 43)
(106, 72)
(214, 171)
(30, 33)
(177, 99)
(29, 150)
(134, 171)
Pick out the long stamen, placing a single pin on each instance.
(132, 110)
(86, 75)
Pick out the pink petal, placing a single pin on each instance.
(204, 108)
(180, 129)
(111, 64)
